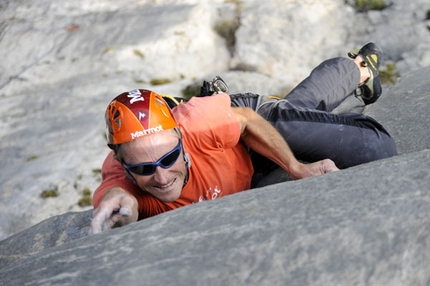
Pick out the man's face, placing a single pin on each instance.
(164, 184)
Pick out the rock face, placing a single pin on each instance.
(63, 61)
(403, 109)
(366, 225)
(49, 233)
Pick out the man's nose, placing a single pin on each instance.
(161, 175)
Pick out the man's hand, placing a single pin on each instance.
(118, 208)
(301, 171)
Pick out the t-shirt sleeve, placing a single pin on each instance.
(112, 176)
(209, 121)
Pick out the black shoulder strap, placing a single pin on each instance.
(173, 101)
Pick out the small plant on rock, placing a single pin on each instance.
(190, 91)
(97, 171)
(49, 193)
(228, 27)
(390, 74)
(139, 53)
(31, 158)
(86, 199)
(227, 30)
(366, 5)
(159, 81)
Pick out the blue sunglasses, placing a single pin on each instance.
(146, 169)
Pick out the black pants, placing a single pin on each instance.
(313, 133)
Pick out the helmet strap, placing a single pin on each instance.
(187, 165)
(130, 176)
(186, 157)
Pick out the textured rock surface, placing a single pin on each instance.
(62, 61)
(403, 110)
(49, 233)
(277, 37)
(368, 225)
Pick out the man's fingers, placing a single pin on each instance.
(104, 220)
(101, 214)
(94, 228)
(118, 208)
(329, 166)
(315, 169)
(125, 211)
(127, 203)
(111, 221)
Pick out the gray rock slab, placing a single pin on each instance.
(51, 232)
(366, 225)
(403, 110)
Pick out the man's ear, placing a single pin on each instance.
(187, 160)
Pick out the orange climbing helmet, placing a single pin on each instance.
(137, 113)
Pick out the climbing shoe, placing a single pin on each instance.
(371, 89)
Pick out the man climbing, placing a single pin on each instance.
(208, 147)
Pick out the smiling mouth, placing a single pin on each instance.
(166, 186)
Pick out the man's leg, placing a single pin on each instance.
(347, 139)
(327, 86)
(248, 99)
(333, 80)
(313, 133)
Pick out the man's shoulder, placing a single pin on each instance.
(213, 102)
(203, 108)
(173, 101)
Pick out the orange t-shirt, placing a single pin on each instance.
(220, 164)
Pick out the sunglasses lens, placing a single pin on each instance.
(146, 169)
(170, 159)
(143, 170)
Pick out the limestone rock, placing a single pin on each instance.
(142, 40)
(403, 110)
(51, 232)
(287, 38)
(267, 39)
(62, 61)
(367, 225)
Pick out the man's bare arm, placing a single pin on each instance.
(263, 138)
